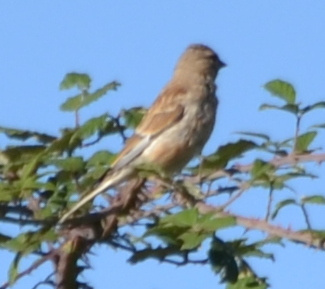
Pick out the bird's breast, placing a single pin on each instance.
(176, 146)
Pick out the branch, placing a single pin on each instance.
(302, 237)
(276, 162)
(31, 268)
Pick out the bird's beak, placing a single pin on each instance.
(222, 64)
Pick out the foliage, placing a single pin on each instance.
(42, 175)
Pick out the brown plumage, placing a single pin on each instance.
(177, 125)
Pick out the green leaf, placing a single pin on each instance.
(223, 262)
(226, 153)
(67, 142)
(85, 98)
(22, 153)
(303, 141)
(278, 181)
(270, 240)
(292, 108)
(260, 254)
(72, 164)
(319, 125)
(315, 199)
(13, 270)
(31, 168)
(282, 89)
(94, 175)
(167, 233)
(261, 168)
(248, 283)
(30, 241)
(316, 105)
(80, 80)
(186, 218)
(159, 254)
(133, 116)
(253, 134)
(26, 134)
(192, 240)
(94, 125)
(8, 192)
(281, 205)
(101, 158)
(4, 238)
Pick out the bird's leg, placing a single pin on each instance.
(200, 177)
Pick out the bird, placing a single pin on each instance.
(176, 126)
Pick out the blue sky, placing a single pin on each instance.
(138, 43)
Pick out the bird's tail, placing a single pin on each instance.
(110, 181)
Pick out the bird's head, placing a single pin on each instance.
(199, 59)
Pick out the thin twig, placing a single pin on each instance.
(269, 203)
(305, 213)
(120, 128)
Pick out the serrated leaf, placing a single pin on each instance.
(159, 254)
(225, 153)
(4, 238)
(253, 134)
(8, 192)
(26, 134)
(281, 205)
(261, 168)
(315, 199)
(85, 98)
(248, 283)
(149, 169)
(67, 142)
(270, 240)
(282, 89)
(192, 189)
(30, 168)
(73, 79)
(303, 141)
(94, 174)
(167, 233)
(186, 218)
(292, 108)
(133, 116)
(101, 158)
(192, 240)
(260, 254)
(72, 164)
(30, 241)
(91, 126)
(22, 153)
(20, 244)
(223, 262)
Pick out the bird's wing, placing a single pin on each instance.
(162, 115)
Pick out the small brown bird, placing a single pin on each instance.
(177, 125)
